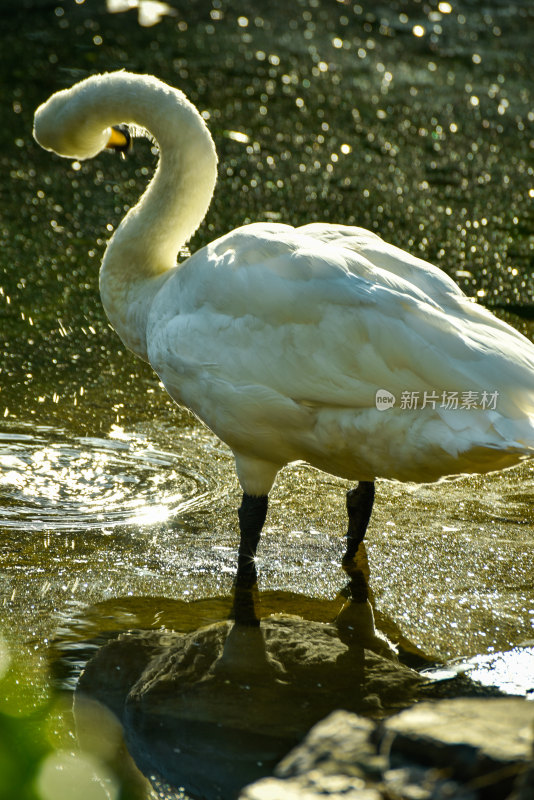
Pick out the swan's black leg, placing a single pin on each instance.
(245, 604)
(252, 515)
(359, 507)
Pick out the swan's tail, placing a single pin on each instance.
(489, 442)
(517, 435)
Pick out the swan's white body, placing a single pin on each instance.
(279, 338)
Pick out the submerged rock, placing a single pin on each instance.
(218, 708)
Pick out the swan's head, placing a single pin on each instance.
(67, 124)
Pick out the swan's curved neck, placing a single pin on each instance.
(146, 243)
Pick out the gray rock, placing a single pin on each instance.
(339, 760)
(465, 749)
(413, 782)
(484, 742)
(321, 787)
(339, 744)
(336, 760)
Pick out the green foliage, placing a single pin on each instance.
(23, 746)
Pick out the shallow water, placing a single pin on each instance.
(413, 122)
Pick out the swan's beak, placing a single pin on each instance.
(120, 140)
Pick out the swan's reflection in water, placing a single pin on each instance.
(216, 707)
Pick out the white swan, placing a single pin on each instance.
(278, 338)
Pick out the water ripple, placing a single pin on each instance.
(52, 479)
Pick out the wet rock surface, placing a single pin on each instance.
(218, 708)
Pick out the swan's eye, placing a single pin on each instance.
(120, 140)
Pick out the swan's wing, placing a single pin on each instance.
(384, 256)
(389, 260)
(266, 312)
